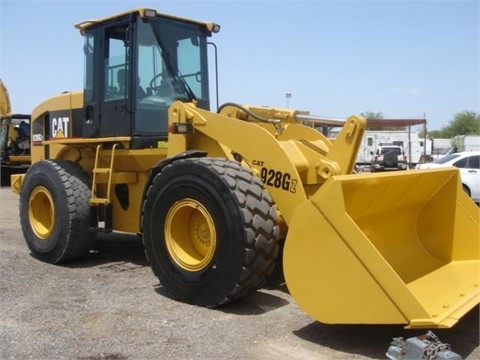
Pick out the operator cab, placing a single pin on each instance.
(138, 63)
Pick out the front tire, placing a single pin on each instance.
(209, 230)
(55, 211)
(466, 190)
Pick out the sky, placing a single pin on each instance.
(406, 59)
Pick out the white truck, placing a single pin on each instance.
(412, 144)
(462, 143)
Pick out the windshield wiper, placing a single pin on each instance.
(177, 76)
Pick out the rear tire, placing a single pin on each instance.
(209, 230)
(55, 211)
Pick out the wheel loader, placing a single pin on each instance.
(213, 194)
(14, 139)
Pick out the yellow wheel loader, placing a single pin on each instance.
(213, 193)
(14, 139)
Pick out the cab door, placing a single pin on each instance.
(107, 89)
(116, 109)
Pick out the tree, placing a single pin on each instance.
(464, 123)
(372, 115)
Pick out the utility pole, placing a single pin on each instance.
(288, 96)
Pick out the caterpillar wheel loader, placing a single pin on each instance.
(212, 193)
(14, 139)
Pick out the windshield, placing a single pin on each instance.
(172, 65)
(446, 158)
(172, 59)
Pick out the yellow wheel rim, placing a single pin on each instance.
(41, 212)
(190, 235)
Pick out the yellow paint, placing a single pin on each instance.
(386, 248)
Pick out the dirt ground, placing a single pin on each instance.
(111, 306)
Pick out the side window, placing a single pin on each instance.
(474, 162)
(462, 163)
(89, 59)
(116, 79)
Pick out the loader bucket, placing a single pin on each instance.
(390, 248)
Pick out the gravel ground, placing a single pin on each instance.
(110, 306)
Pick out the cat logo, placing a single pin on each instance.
(60, 127)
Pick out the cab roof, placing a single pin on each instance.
(144, 13)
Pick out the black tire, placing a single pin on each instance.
(223, 207)
(55, 211)
(390, 159)
(466, 190)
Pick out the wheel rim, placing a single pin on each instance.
(190, 235)
(41, 212)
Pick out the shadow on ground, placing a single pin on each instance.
(367, 340)
(113, 248)
(374, 340)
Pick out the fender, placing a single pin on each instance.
(159, 166)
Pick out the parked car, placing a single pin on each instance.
(389, 157)
(468, 163)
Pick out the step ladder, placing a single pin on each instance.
(97, 202)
